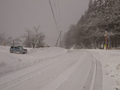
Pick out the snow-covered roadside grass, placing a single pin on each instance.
(110, 60)
(11, 62)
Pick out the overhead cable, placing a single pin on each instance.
(54, 15)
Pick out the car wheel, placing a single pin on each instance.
(11, 51)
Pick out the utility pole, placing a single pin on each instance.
(105, 35)
(106, 42)
(59, 38)
(56, 23)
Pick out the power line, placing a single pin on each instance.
(59, 14)
(56, 12)
(58, 24)
(56, 2)
(53, 15)
(59, 38)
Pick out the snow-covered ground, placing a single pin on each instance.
(110, 60)
(54, 68)
(10, 62)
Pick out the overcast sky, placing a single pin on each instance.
(16, 15)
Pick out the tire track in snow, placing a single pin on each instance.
(25, 77)
(41, 79)
(98, 77)
(90, 77)
(12, 84)
(77, 79)
(94, 79)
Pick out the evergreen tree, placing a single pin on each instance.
(102, 15)
(90, 6)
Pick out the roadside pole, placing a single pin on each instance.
(106, 42)
(59, 38)
(4, 44)
(105, 35)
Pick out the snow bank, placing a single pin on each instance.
(110, 60)
(10, 62)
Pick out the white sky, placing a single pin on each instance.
(16, 15)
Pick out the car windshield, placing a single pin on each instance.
(20, 47)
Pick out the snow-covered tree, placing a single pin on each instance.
(11, 41)
(2, 38)
(102, 15)
(33, 37)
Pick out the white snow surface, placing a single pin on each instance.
(10, 62)
(54, 68)
(110, 60)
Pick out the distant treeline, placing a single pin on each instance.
(31, 38)
(101, 16)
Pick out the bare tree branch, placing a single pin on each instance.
(2, 37)
(33, 37)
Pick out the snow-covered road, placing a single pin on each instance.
(72, 70)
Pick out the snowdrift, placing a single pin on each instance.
(10, 62)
